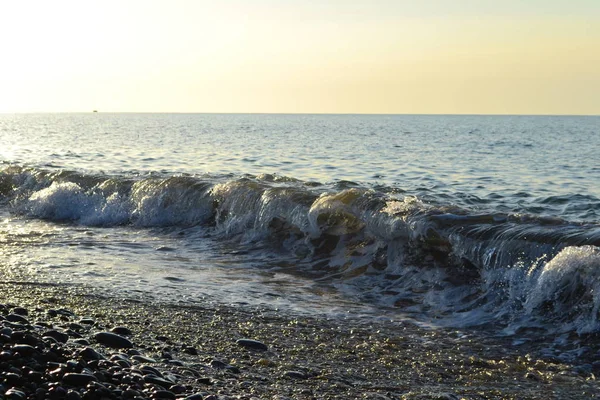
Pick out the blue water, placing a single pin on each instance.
(452, 220)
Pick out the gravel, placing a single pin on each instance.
(73, 345)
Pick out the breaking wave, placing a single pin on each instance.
(440, 261)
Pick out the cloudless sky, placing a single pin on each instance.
(328, 56)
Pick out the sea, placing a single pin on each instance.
(450, 221)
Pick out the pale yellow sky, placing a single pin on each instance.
(378, 56)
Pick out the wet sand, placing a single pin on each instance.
(198, 349)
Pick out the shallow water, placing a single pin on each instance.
(452, 220)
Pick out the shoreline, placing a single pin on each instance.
(305, 357)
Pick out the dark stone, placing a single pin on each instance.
(73, 395)
(121, 330)
(146, 369)
(218, 364)
(191, 350)
(6, 331)
(295, 375)
(79, 380)
(82, 341)
(252, 344)
(76, 327)
(20, 311)
(30, 340)
(35, 376)
(24, 349)
(163, 394)
(232, 369)
(17, 318)
(113, 340)
(65, 312)
(13, 379)
(90, 354)
(14, 394)
(158, 381)
(177, 389)
(59, 336)
(204, 380)
(143, 359)
(87, 321)
(73, 334)
(195, 396)
(49, 339)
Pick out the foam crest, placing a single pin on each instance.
(568, 288)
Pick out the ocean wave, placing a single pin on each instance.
(458, 266)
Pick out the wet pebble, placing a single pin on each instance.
(73, 395)
(143, 359)
(17, 318)
(252, 344)
(121, 330)
(80, 380)
(24, 349)
(163, 394)
(57, 335)
(295, 375)
(158, 381)
(113, 340)
(14, 394)
(21, 311)
(195, 396)
(90, 354)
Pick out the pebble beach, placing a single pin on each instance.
(61, 342)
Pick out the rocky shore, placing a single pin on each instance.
(64, 343)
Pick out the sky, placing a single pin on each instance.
(291, 56)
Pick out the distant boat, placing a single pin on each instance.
(95, 110)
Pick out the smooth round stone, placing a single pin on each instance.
(163, 394)
(143, 359)
(252, 344)
(79, 380)
(24, 349)
(87, 321)
(113, 340)
(146, 369)
(90, 354)
(20, 311)
(13, 379)
(73, 395)
(158, 381)
(195, 396)
(204, 380)
(17, 318)
(60, 337)
(218, 364)
(177, 389)
(121, 330)
(76, 327)
(49, 339)
(6, 331)
(295, 375)
(14, 394)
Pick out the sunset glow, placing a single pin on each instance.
(298, 57)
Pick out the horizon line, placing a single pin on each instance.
(300, 113)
